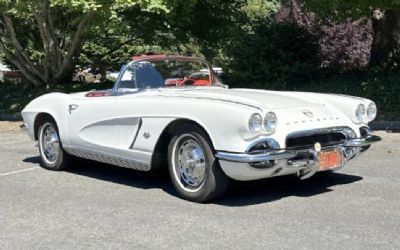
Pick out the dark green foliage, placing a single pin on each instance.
(272, 56)
(15, 97)
(382, 88)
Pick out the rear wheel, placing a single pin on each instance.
(194, 172)
(50, 148)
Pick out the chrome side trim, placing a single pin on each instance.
(137, 133)
(117, 161)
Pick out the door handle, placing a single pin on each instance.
(72, 107)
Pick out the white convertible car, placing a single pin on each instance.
(165, 111)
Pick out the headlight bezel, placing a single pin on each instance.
(371, 106)
(270, 122)
(360, 114)
(252, 123)
(262, 123)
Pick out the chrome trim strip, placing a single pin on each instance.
(346, 131)
(218, 99)
(268, 140)
(137, 133)
(362, 142)
(117, 161)
(271, 155)
(249, 158)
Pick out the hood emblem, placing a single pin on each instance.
(308, 113)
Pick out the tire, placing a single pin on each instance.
(51, 152)
(193, 169)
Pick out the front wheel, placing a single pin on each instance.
(50, 148)
(194, 171)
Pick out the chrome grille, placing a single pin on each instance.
(309, 139)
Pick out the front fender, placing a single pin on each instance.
(54, 104)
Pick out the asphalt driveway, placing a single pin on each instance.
(97, 206)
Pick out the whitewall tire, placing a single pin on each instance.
(193, 169)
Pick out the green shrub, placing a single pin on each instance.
(14, 97)
(271, 56)
(382, 88)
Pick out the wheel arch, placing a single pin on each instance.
(39, 119)
(160, 153)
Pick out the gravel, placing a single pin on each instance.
(6, 126)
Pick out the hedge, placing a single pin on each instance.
(382, 88)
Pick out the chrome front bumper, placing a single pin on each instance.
(302, 161)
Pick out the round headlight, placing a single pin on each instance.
(270, 122)
(361, 113)
(255, 123)
(371, 111)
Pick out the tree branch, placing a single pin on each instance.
(75, 45)
(20, 65)
(20, 53)
(119, 46)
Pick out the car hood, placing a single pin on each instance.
(264, 99)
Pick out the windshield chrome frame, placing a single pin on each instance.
(165, 58)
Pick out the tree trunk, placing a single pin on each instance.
(386, 38)
(103, 73)
(58, 55)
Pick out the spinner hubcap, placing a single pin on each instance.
(50, 144)
(190, 163)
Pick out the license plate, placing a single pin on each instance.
(329, 160)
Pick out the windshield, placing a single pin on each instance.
(166, 73)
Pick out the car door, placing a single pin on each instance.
(127, 121)
(91, 123)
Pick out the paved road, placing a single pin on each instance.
(95, 206)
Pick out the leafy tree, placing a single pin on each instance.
(202, 26)
(61, 27)
(46, 38)
(272, 56)
(261, 9)
(109, 45)
(198, 27)
(385, 22)
(345, 45)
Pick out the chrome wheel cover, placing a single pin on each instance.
(49, 143)
(189, 163)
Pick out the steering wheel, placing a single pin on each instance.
(187, 80)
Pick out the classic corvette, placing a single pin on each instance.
(166, 111)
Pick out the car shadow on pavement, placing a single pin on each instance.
(267, 190)
(33, 159)
(124, 176)
(238, 194)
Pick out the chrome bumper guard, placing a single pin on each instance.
(362, 142)
(306, 160)
(24, 126)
